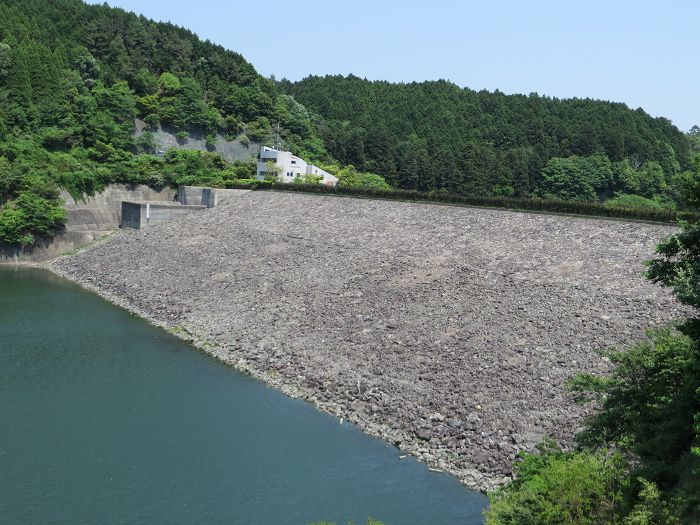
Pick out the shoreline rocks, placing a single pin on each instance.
(449, 332)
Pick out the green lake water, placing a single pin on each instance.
(105, 419)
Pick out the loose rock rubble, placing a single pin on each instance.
(450, 332)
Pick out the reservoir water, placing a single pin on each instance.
(107, 419)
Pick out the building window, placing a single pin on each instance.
(294, 162)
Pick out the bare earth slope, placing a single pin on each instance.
(448, 331)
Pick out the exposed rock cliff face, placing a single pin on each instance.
(231, 150)
(448, 331)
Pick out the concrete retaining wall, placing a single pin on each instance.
(46, 249)
(88, 219)
(102, 212)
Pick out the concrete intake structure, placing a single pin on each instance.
(139, 215)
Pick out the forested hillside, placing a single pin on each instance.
(57, 52)
(73, 77)
(436, 135)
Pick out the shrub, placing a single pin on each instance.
(145, 143)
(151, 121)
(232, 127)
(553, 488)
(210, 141)
(29, 216)
(258, 129)
(43, 216)
(650, 409)
(625, 200)
(13, 227)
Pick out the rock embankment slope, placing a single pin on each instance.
(448, 331)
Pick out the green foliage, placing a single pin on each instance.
(210, 141)
(649, 412)
(259, 129)
(250, 102)
(625, 200)
(595, 178)
(677, 264)
(145, 82)
(651, 508)
(308, 179)
(73, 77)
(688, 184)
(232, 126)
(649, 405)
(350, 177)
(42, 215)
(145, 143)
(169, 84)
(694, 140)
(437, 136)
(151, 121)
(28, 217)
(651, 179)
(13, 226)
(190, 167)
(553, 488)
(576, 178)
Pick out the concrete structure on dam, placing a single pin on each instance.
(139, 215)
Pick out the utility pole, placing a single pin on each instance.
(278, 145)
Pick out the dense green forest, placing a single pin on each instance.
(436, 135)
(74, 77)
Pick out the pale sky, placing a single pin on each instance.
(643, 53)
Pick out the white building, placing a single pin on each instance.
(290, 167)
